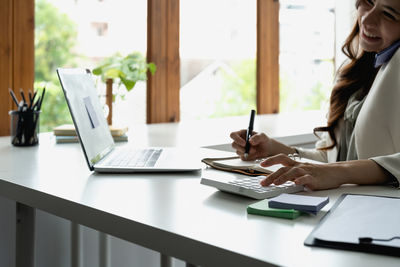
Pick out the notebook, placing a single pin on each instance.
(96, 140)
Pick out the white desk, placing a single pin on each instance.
(169, 213)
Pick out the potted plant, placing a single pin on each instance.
(123, 70)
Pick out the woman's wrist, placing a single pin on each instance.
(295, 151)
(279, 148)
(359, 172)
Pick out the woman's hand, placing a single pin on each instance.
(261, 145)
(312, 176)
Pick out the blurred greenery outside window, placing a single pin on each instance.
(55, 39)
(67, 36)
(55, 43)
(218, 51)
(307, 54)
(218, 56)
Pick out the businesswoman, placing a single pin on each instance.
(361, 142)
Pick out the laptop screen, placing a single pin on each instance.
(86, 111)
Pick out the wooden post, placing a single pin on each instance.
(16, 53)
(163, 49)
(267, 56)
(109, 99)
(6, 77)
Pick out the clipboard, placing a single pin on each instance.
(368, 218)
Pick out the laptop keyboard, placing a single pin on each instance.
(135, 158)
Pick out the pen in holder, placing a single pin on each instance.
(25, 121)
(24, 127)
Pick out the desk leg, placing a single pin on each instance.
(165, 261)
(104, 250)
(76, 241)
(25, 236)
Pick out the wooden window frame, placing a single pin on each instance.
(163, 49)
(17, 57)
(267, 56)
(16, 53)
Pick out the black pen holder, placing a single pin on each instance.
(24, 127)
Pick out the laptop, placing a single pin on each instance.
(101, 154)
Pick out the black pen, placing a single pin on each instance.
(22, 95)
(30, 99)
(13, 96)
(33, 100)
(248, 134)
(35, 106)
(41, 99)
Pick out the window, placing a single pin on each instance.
(83, 39)
(217, 40)
(218, 56)
(307, 52)
(218, 50)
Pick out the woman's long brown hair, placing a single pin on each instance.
(355, 76)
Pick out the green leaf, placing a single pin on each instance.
(112, 73)
(97, 71)
(129, 84)
(152, 68)
(125, 70)
(100, 69)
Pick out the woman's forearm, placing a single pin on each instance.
(360, 172)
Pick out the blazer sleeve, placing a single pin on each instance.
(312, 153)
(325, 140)
(391, 163)
(315, 153)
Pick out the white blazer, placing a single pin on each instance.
(377, 129)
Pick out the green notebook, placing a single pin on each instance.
(261, 208)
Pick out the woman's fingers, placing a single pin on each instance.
(239, 149)
(283, 175)
(306, 180)
(239, 143)
(311, 176)
(271, 178)
(278, 159)
(289, 172)
(239, 137)
(257, 138)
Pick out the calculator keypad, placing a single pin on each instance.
(253, 183)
